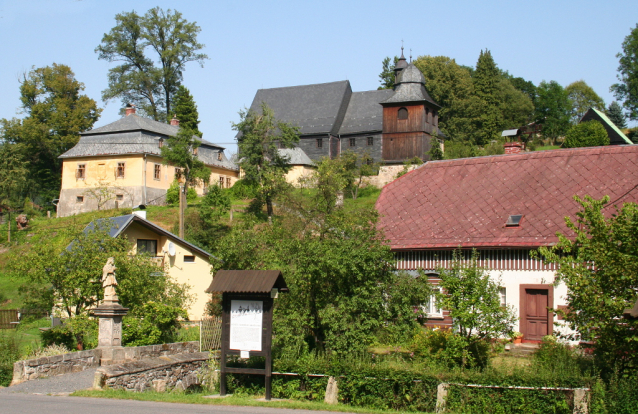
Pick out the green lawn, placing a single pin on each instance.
(246, 401)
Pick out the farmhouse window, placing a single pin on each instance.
(119, 173)
(370, 140)
(79, 199)
(403, 113)
(147, 246)
(80, 173)
(189, 259)
(221, 181)
(353, 142)
(502, 293)
(227, 182)
(432, 307)
(319, 143)
(119, 197)
(158, 172)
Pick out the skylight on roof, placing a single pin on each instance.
(514, 220)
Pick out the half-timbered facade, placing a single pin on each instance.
(503, 208)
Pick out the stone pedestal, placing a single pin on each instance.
(110, 331)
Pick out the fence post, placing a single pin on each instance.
(581, 398)
(441, 397)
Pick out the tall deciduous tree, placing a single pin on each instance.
(450, 85)
(553, 109)
(154, 49)
(583, 97)
(627, 89)
(260, 135)
(599, 266)
(13, 174)
(56, 112)
(486, 79)
(185, 110)
(615, 114)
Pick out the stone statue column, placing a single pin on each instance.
(110, 313)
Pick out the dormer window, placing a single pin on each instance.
(514, 220)
(219, 156)
(403, 113)
(195, 150)
(161, 142)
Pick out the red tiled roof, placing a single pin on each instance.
(466, 202)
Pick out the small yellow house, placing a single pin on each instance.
(301, 166)
(121, 164)
(182, 261)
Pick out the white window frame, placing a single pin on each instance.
(431, 308)
(502, 295)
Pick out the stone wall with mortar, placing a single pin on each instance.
(79, 361)
(55, 365)
(157, 374)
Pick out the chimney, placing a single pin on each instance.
(130, 109)
(175, 121)
(513, 147)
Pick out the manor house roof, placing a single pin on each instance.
(468, 202)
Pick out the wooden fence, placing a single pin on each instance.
(9, 318)
(210, 331)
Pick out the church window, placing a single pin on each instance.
(370, 140)
(319, 143)
(403, 113)
(353, 142)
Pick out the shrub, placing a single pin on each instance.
(586, 134)
(449, 349)
(153, 323)
(9, 353)
(60, 336)
(214, 204)
(243, 189)
(172, 194)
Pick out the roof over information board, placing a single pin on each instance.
(247, 281)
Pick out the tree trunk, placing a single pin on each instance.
(269, 209)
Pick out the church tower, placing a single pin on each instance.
(410, 116)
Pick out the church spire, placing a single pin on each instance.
(402, 63)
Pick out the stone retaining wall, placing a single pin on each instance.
(159, 374)
(79, 361)
(55, 365)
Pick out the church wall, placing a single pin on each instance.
(309, 145)
(361, 145)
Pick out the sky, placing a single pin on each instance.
(267, 44)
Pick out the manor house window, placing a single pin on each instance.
(119, 173)
(158, 171)
(80, 173)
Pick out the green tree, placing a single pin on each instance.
(214, 205)
(70, 279)
(450, 85)
(386, 77)
(13, 174)
(56, 112)
(527, 87)
(586, 134)
(259, 135)
(583, 97)
(615, 114)
(185, 110)
(598, 264)
(473, 301)
(486, 79)
(149, 80)
(181, 152)
(516, 107)
(553, 109)
(627, 90)
(435, 149)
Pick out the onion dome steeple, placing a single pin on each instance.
(402, 63)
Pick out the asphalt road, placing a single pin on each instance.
(30, 403)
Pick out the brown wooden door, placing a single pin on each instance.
(536, 324)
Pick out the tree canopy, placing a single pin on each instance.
(583, 97)
(260, 136)
(154, 50)
(586, 134)
(599, 266)
(386, 77)
(185, 110)
(553, 109)
(486, 79)
(181, 151)
(627, 89)
(615, 114)
(56, 112)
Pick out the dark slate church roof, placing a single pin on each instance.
(315, 109)
(134, 134)
(364, 112)
(410, 87)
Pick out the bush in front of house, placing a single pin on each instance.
(586, 134)
(153, 323)
(172, 194)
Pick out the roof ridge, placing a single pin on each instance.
(299, 86)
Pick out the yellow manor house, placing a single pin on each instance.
(121, 163)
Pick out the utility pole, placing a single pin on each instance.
(182, 201)
(9, 226)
